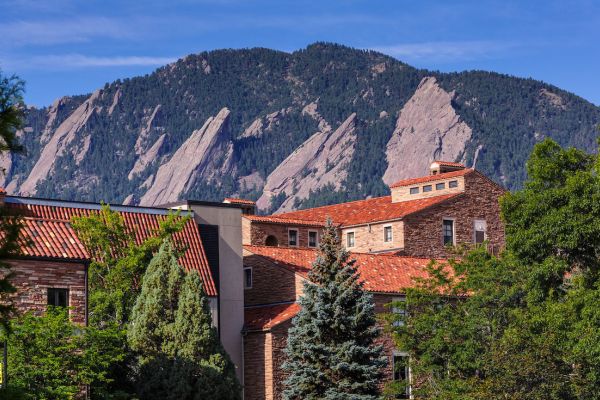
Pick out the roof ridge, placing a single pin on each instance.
(408, 181)
(333, 205)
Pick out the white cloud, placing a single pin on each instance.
(74, 61)
(446, 51)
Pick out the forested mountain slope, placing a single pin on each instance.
(324, 124)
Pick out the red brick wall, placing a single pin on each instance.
(32, 279)
(423, 231)
(270, 283)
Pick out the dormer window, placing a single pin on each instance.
(440, 186)
(414, 190)
(453, 184)
(427, 188)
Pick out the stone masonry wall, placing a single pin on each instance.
(32, 279)
(423, 235)
(370, 238)
(270, 283)
(257, 233)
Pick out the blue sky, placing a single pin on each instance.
(66, 47)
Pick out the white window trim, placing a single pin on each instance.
(251, 278)
(485, 236)
(297, 237)
(308, 238)
(409, 377)
(354, 238)
(392, 230)
(396, 311)
(453, 230)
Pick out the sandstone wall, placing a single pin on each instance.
(369, 238)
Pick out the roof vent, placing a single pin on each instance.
(439, 167)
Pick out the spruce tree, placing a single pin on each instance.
(179, 353)
(331, 351)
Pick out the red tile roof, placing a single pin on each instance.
(383, 273)
(261, 318)
(356, 212)
(449, 164)
(429, 178)
(277, 219)
(50, 238)
(143, 221)
(234, 200)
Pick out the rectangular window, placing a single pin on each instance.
(312, 239)
(414, 190)
(350, 239)
(452, 184)
(440, 186)
(248, 278)
(448, 228)
(401, 373)
(58, 297)
(426, 188)
(480, 231)
(293, 237)
(399, 311)
(387, 234)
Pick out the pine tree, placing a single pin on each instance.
(331, 351)
(179, 353)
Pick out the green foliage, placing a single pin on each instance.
(526, 324)
(331, 352)
(53, 358)
(119, 262)
(179, 353)
(11, 113)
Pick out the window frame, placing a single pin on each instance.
(316, 238)
(453, 220)
(390, 226)
(297, 237)
(427, 188)
(442, 184)
(453, 184)
(414, 190)
(475, 230)
(246, 286)
(399, 311)
(353, 239)
(56, 292)
(407, 372)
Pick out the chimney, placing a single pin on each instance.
(439, 167)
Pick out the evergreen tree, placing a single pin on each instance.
(331, 351)
(179, 354)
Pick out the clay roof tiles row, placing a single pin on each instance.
(430, 178)
(48, 229)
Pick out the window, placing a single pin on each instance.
(387, 233)
(350, 239)
(313, 239)
(452, 184)
(248, 278)
(426, 188)
(448, 229)
(440, 186)
(401, 373)
(480, 231)
(293, 237)
(399, 311)
(414, 190)
(58, 297)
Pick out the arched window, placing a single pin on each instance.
(271, 241)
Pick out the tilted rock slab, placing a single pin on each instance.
(206, 153)
(322, 159)
(427, 129)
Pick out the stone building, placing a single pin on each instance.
(421, 217)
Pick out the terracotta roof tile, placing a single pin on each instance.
(429, 178)
(384, 273)
(54, 230)
(234, 200)
(449, 163)
(50, 238)
(266, 317)
(356, 212)
(276, 219)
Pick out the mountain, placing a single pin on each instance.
(324, 124)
